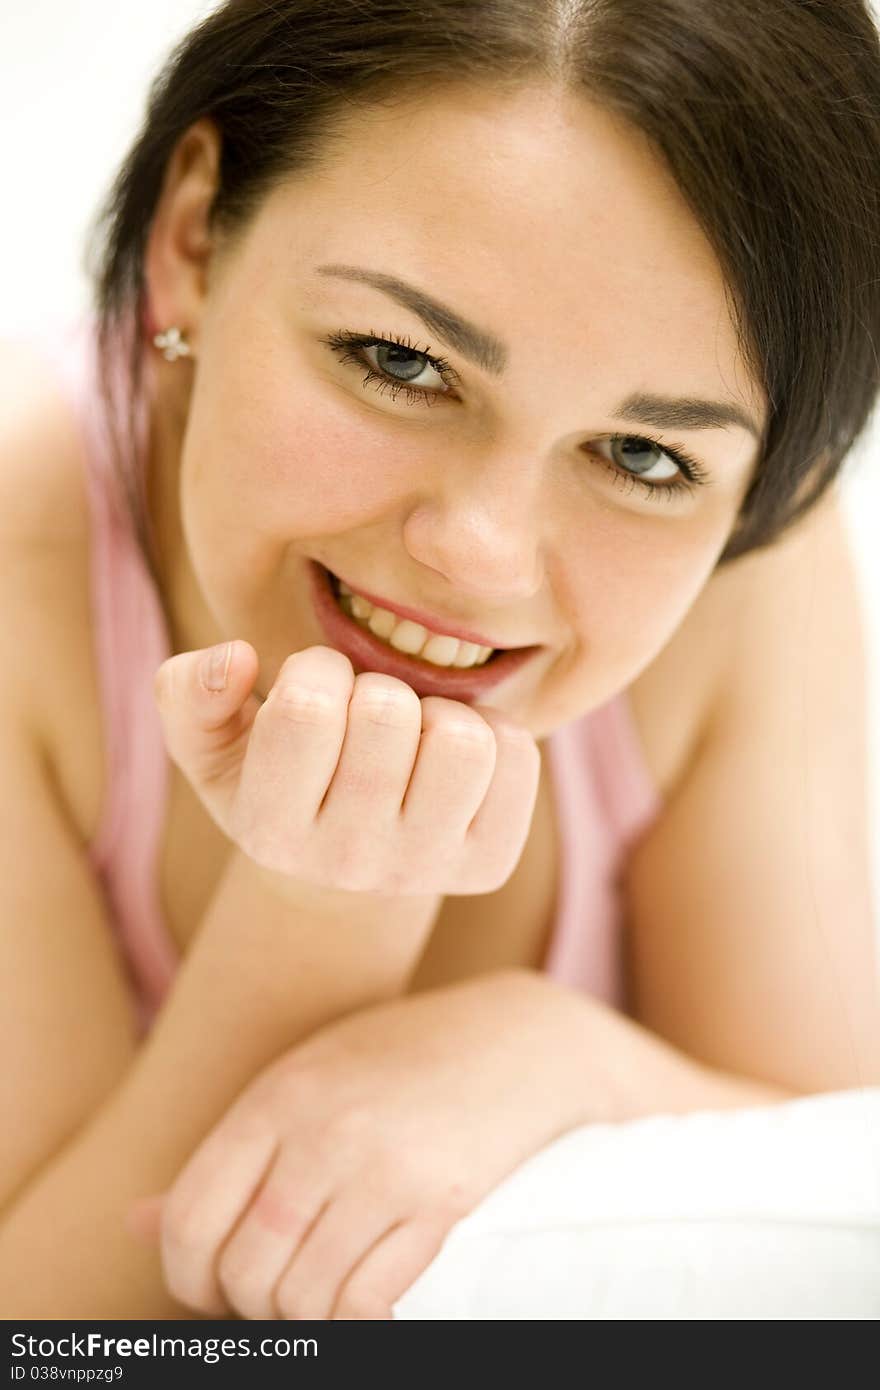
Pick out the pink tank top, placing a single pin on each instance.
(604, 795)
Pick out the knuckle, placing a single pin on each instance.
(457, 722)
(319, 658)
(385, 700)
(472, 733)
(303, 702)
(478, 741)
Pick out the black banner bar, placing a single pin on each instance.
(133, 1353)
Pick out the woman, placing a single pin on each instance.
(627, 257)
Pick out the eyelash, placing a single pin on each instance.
(347, 345)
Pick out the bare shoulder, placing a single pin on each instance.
(748, 904)
(65, 1002)
(720, 655)
(40, 460)
(44, 551)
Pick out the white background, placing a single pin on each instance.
(73, 85)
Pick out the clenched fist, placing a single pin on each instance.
(352, 782)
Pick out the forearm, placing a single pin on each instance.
(609, 1068)
(259, 976)
(263, 974)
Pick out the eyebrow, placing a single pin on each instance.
(491, 355)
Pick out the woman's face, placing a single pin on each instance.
(502, 502)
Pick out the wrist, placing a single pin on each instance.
(337, 903)
(279, 960)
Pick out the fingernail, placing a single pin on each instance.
(215, 666)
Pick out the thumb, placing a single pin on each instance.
(144, 1217)
(207, 709)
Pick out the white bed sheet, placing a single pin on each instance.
(772, 1212)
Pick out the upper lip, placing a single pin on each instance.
(441, 626)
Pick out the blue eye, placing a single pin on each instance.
(395, 354)
(691, 473)
(393, 351)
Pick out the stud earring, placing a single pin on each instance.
(172, 344)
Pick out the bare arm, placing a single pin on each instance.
(750, 933)
(259, 976)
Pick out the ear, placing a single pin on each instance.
(180, 246)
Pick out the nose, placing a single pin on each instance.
(481, 527)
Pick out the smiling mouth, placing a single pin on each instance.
(344, 603)
(368, 652)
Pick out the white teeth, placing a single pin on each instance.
(441, 650)
(380, 622)
(409, 637)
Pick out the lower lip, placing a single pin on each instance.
(368, 653)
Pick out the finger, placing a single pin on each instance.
(292, 754)
(144, 1218)
(500, 828)
(349, 1225)
(378, 752)
(391, 1267)
(454, 768)
(205, 729)
(205, 1203)
(362, 806)
(288, 1201)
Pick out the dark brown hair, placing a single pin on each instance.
(767, 113)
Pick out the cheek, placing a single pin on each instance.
(321, 470)
(291, 442)
(635, 584)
